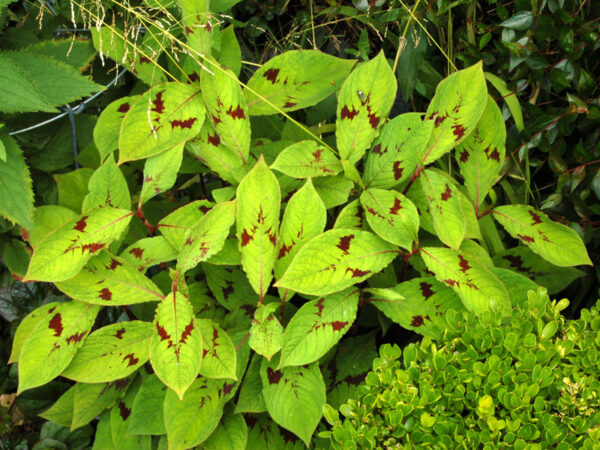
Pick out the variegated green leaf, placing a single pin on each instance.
(196, 24)
(333, 191)
(218, 354)
(120, 419)
(106, 131)
(365, 100)
(46, 219)
(107, 187)
(174, 226)
(25, 328)
(266, 333)
(149, 252)
(160, 172)
(306, 159)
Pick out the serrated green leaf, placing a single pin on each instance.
(365, 100)
(479, 289)
(76, 53)
(351, 216)
(455, 109)
(111, 353)
(18, 92)
(335, 260)
(391, 216)
(196, 24)
(296, 79)
(149, 252)
(207, 236)
(164, 116)
(294, 397)
(227, 108)
(174, 226)
(64, 252)
(108, 126)
(16, 201)
(160, 172)
(73, 187)
(481, 154)
(53, 342)
(147, 408)
(317, 326)
(333, 191)
(259, 201)
(445, 208)
(176, 343)
(218, 354)
(46, 219)
(555, 242)
(107, 187)
(266, 333)
(394, 154)
(306, 159)
(423, 306)
(229, 255)
(25, 328)
(90, 399)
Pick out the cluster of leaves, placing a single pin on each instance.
(528, 381)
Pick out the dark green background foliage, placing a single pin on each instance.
(531, 379)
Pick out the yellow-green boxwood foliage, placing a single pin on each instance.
(529, 381)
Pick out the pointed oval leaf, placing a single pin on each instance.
(106, 131)
(391, 216)
(479, 289)
(196, 23)
(147, 408)
(230, 287)
(335, 260)
(160, 172)
(53, 342)
(266, 333)
(26, 327)
(555, 242)
(218, 353)
(90, 399)
(107, 187)
(166, 115)
(333, 191)
(250, 399)
(174, 226)
(111, 353)
(295, 80)
(112, 281)
(46, 219)
(149, 252)
(306, 159)
(317, 326)
(207, 236)
(365, 100)
(445, 208)
(480, 156)
(232, 432)
(305, 216)
(63, 253)
(176, 343)
(351, 216)
(394, 154)
(227, 108)
(455, 109)
(517, 285)
(120, 419)
(294, 397)
(259, 201)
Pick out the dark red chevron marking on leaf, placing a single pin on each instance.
(124, 411)
(132, 359)
(447, 193)
(119, 334)
(216, 119)
(187, 331)
(187, 123)
(228, 387)
(74, 338)
(162, 334)
(193, 77)
(526, 238)
(464, 264)
(417, 321)
(373, 119)
(397, 170)
(272, 237)
(113, 265)
(289, 104)
(344, 244)
(464, 156)
(317, 154)
(377, 150)
(338, 325)
(227, 291)
(345, 113)
(237, 113)
(123, 108)
(459, 131)
(357, 273)
(320, 306)
(493, 154)
(274, 376)
(158, 103)
(214, 139)
(450, 282)
(203, 209)
(81, 224)
(246, 238)
(517, 263)
(397, 206)
(535, 219)
(271, 75)
(188, 31)
(261, 216)
(56, 324)
(188, 241)
(92, 248)
(105, 294)
(426, 289)
(137, 252)
(284, 250)
(438, 119)
(144, 60)
(373, 212)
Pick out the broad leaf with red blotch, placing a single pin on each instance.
(317, 326)
(62, 253)
(306, 159)
(258, 202)
(110, 280)
(160, 172)
(227, 108)
(455, 110)
(107, 187)
(295, 80)
(52, 343)
(176, 343)
(218, 353)
(197, 26)
(230, 287)
(25, 328)
(149, 252)
(365, 100)
(164, 116)
(394, 154)
(175, 225)
(111, 353)
(266, 333)
(477, 286)
(335, 260)
(419, 304)
(108, 125)
(480, 156)
(120, 419)
(553, 241)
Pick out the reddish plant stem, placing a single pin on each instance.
(151, 228)
(412, 180)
